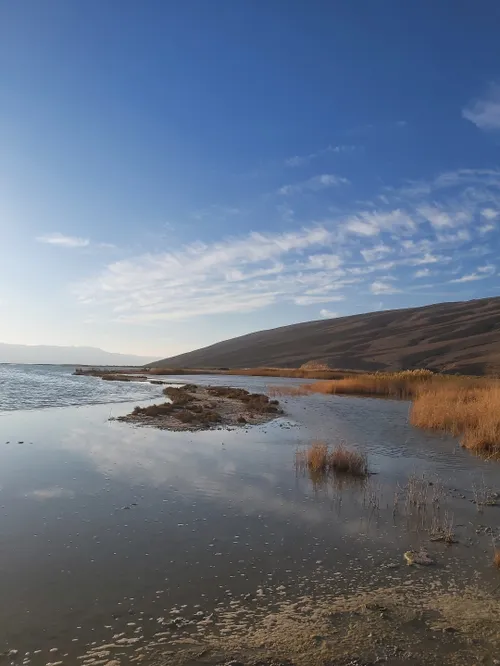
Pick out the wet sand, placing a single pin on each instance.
(188, 548)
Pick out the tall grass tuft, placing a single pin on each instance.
(319, 458)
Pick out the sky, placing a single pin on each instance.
(173, 174)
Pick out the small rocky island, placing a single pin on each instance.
(193, 407)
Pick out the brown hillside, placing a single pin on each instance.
(453, 337)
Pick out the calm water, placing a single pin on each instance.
(105, 527)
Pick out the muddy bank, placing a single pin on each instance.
(416, 619)
(193, 407)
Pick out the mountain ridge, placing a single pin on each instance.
(60, 355)
(457, 336)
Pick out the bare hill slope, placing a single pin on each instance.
(456, 337)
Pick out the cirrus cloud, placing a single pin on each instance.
(63, 241)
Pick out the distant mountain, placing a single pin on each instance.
(455, 337)
(69, 355)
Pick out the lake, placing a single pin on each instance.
(109, 530)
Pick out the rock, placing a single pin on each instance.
(12, 653)
(418, 557)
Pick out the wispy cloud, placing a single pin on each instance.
(328, 314)
(63, 241)
(486, 228)
(372, 223)
(314, 184)
(481, 273)
(485, 112)
(301, 160)
(436, 229)
(380, 287)
(375, 253)
(235, 275)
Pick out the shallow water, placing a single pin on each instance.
(104, 524)
(39, 386)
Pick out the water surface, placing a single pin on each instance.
(106, 526)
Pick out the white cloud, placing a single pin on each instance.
(375, 253)
(379, 287)
(489, 213)
(328, 314)
(437, 217)
(482, 273)
(234, 275)
(314, 184)
(427, 258)
(373, 223)
(63, 241)
(349, 253)
(326, 261)
(471, 277)
(485, 113)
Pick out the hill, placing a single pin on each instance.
(66, 355)
(452, 337)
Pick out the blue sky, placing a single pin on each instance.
(177, 173)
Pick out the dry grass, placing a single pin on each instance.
(470, 410)
(292, 391)
(389, 384)
(312, 370)
(496, 558)
(319, 458)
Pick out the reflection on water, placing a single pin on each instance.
(102, 520)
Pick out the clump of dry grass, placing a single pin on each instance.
(318, 457)
(442, 528)
(470, 410)
(496, 558)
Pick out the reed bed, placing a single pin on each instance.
(465, 407)
(465, 410)
(388, 384)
